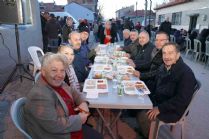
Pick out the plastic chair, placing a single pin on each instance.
(172, 38)
(16, 112)
(155, 125)
(206, 54)
(197, 52)
(188, 46)
(33, 51)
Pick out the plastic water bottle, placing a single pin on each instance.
(120, 89)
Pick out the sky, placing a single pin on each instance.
(110, 6)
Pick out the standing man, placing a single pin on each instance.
(172, 91)
(44, 18)
(166, 27)
(67, 29)
(53, 29)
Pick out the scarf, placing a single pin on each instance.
(107, 32)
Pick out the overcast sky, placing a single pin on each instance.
(110, 6)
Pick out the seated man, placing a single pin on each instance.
(131, 48)
(126, 35)
(172, 90)
(143, 51)
(150, 69)
(80, 62)
(54, 110)
(70, 78)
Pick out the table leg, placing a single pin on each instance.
(109, 125)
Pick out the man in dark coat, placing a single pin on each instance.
(126, 35)
(151, 69)
(144, 50)
(166, 26)
(131, 48)
(172, 92)
(53, 29)
(67, 29)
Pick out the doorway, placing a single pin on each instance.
(193, 22)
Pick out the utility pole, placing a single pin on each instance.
(150, 12)
(136, 8)
(145, 14)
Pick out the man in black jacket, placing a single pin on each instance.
(151, 69)
(166, 26)
(172, 91)
(143, 51)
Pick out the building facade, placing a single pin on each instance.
(186, 14)
(29, 35)
(90, 4)
(136, 15)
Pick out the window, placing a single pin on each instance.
(161, 18)
(26, 4)
(176, 18)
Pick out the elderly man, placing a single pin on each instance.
(172, 90)
(150, 69)
(126, 36)
(55, 110)
(143, 52)
(130, 49)
(81, 60)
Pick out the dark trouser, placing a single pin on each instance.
(144, 122)
(90, 133)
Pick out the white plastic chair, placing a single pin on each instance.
(17, 112)
(34, 50)
(188, 46)
(206, 54)
(197, 52)
(155, 125)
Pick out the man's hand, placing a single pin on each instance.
(84, 106)
(152, 114)
(127, 55)
(136, 73)
(131, 63)
(83, 117)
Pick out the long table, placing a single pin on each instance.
(111, 100)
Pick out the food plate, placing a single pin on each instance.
(135, 88)
(105, 68)
(101, 59)
(96, 85)
(119, 53)
(125, 69)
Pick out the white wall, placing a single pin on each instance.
(79, 12)
(200, 7)
(28, 35)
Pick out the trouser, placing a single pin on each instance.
(144, 122)
(53, 42)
